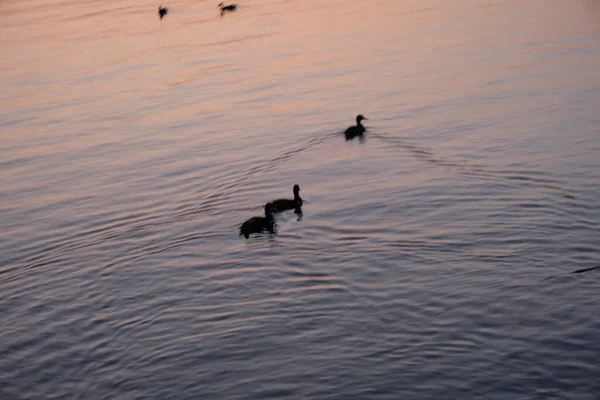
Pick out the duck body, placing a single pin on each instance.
(162, 11)
(259, 224)
(229, 7)
(355, 130)
(289, 204)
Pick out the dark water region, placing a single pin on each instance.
(451, 252)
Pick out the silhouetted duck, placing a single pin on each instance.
(259, 224)
(355, 130)
(288, 204)
(229, 7)
(162, 11)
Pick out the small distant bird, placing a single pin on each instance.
(355, 130)
(162, 11)
(259, 224)
(224, 8)
(288, 204)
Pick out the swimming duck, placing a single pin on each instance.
(259, 224)
(287, 204)
(355, 130)
(162, 11)
(229, 7)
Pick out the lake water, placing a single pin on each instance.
(433, 259)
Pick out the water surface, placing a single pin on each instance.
(131, 149)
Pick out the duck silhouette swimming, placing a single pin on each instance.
(162, 11)
(229, 7)
(355, 130)
(259, 224)
(288, 204)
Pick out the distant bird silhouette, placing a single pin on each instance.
(288, 204)
(162, 11)
(355, 130)
(259, 224)
(224, 8)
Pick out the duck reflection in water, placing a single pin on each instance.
(259, 224)
(295, 204)
(356, 130)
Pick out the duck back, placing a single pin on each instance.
(354, 131)
(280, 205)
(259, 224)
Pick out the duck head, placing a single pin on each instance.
(359, 118)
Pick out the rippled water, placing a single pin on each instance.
(132, 149)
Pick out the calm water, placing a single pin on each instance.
(132, 149)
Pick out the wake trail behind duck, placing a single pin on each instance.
(428, 155)
(212, 204)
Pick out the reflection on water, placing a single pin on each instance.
(132, 148)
